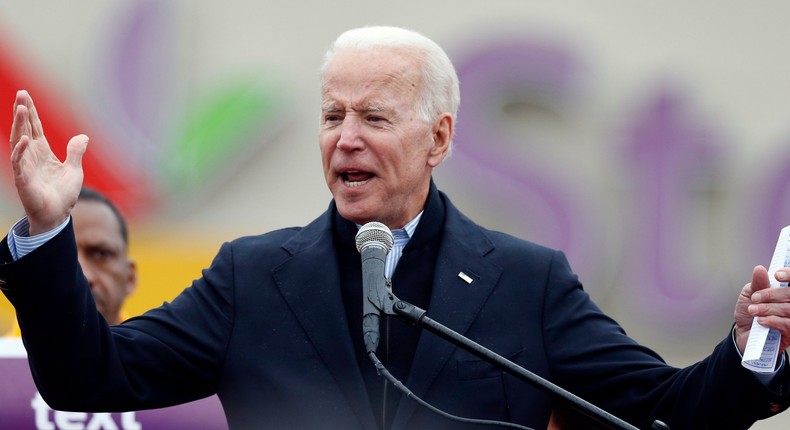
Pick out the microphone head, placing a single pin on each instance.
(374, 233)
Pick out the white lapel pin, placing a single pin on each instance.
(465, 277)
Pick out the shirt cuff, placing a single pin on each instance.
(20, 243)
(764, 378)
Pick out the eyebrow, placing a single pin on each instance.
(104, 246)
(330, 108)
(369, 108)
(375, 108)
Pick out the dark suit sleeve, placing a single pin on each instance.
(168, 355)
(591, 356)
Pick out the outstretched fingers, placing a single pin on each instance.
(18, 149)
(26, 120)
(21, 126)
(35, 123)
(47, 187)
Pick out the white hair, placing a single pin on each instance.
(440, 91)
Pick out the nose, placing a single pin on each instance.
(350, 135)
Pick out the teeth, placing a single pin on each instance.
(355, 183)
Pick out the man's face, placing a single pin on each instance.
(103, 256)
(376, 151)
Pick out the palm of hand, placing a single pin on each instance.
(47, 188)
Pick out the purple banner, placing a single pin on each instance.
(22, 408)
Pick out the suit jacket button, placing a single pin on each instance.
(3, 285)
(775, 407)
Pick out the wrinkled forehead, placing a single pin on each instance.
(386, 65)
(380, 76)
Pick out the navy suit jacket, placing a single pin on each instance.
(265, 328)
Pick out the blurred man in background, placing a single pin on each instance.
(103, 251)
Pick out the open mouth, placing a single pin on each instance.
(355, 178)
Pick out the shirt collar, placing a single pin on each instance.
(409, 227)
(412, 225)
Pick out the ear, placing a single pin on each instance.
(442, 137)
(131, 277)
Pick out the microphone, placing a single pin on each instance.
(374, 241)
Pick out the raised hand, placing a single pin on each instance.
(47, 188)
(770, 305)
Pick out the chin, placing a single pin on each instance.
(355, 215)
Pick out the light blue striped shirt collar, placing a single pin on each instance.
(400, 242)
(412, 225)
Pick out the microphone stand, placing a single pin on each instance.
(391, 305)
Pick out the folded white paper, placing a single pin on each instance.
(763, 345)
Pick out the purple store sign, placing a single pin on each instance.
(646, 207)
(22, 408)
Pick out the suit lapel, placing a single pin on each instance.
(455, 302)
(309, 282)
